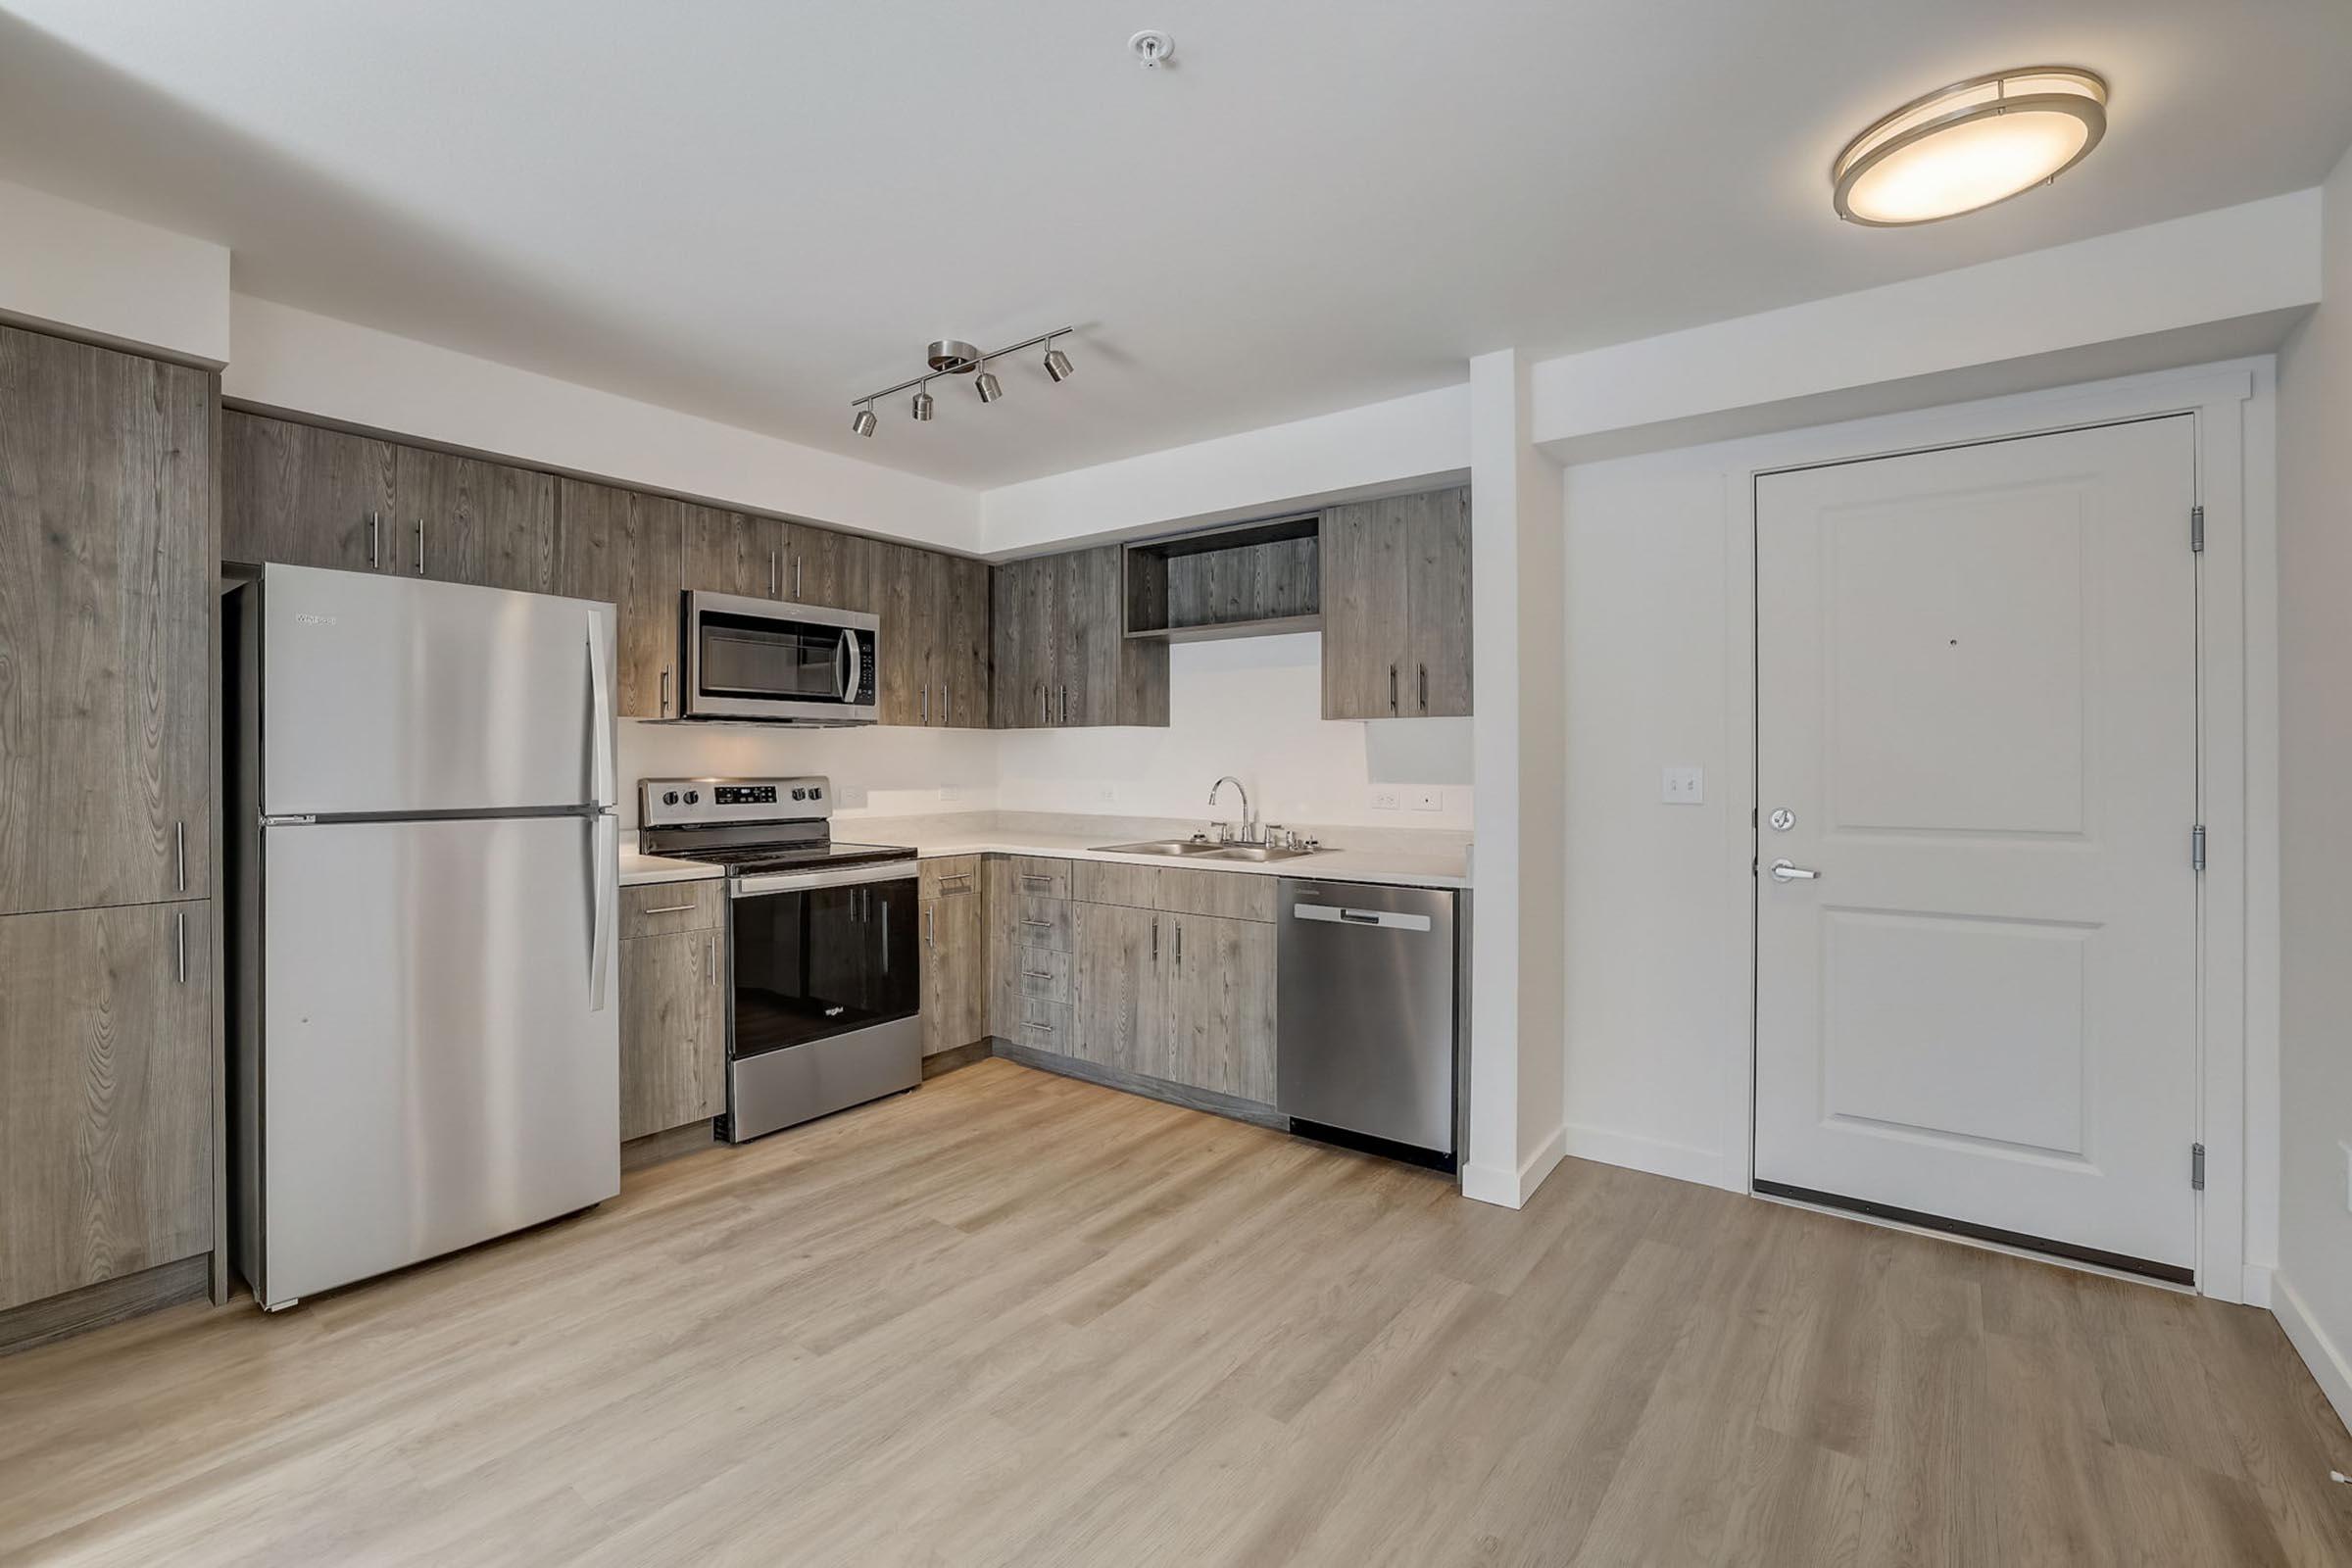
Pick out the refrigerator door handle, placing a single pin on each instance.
(604, 877)
(600, 722)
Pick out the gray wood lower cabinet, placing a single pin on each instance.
(1121, 990)
(1220, 1031)
(673, 1006)
(106, 1094)
(955, 953)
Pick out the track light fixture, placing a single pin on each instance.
(949, 356)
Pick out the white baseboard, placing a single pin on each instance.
(1510, 1189)
(2311, 1342)
(1682, 1162)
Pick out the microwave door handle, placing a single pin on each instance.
(850, 666)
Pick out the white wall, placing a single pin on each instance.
(290, 358)
(877, 771)
(1329, 458)
(1900, 345)
(1253, 708)
(1658, 608)
(90, 273)
(2313, 1292)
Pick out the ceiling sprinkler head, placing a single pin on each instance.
(1150, 47)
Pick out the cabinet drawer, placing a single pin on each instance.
(659, 909)
(1038, 877)
(1104, 882)
(1044, 1026)
(1040, 973)
(1039, 924)
(950, 877)
(1227, 894)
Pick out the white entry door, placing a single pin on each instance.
(1975, 675)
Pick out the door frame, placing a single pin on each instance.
(2237, 759)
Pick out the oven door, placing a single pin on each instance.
(757, 659)
(820, 953)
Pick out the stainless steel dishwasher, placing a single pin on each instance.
(1365, 1017)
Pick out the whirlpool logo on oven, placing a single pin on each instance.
(303, 617)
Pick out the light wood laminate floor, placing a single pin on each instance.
(1014, 1318)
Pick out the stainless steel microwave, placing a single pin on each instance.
(755, 658)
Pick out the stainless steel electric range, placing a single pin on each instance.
(824, 1004)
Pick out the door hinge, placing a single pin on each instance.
(2196, 848)
(2196, 530)
(2196, 1166)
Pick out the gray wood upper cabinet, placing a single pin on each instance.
(1396, 608)
(966, 679)
(305, 496)
(106, 1094)
(824, 568)
(106, 604)
(673, 1030)
(471, 520)
(734, 553)
(1062, 659)
(626, 548)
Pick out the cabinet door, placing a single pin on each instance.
(1366, 613)
(898, 574)
(924, 643)
(466, 520)
(1122, 1011)
(732, 553)
(106, 1094)
(587, 516)
(1221, 1005)
(1438, 548)
(648, 567)
(672, 1032)
(1014, 701)
(955, 972)
(969, 677)
(308, 496)
(106, 605)
(819, 567)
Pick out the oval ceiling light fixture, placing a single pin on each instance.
(1970, 145)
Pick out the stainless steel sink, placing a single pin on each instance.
(1160, 847)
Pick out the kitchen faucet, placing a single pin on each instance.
(1249, 825)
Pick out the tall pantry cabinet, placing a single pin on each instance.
(108, 1122)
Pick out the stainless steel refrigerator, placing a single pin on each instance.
(424, 854)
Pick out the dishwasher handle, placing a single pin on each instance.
(1337, 915)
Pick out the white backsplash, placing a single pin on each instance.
(1251, 708)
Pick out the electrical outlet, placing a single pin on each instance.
(950, 793)
(1107, 794)
(1684, 786)
(1384, 800)
(1429, 799)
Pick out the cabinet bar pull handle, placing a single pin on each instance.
(1155, 941)
(1040, 925)
(1391, 688)
(1037, 974)
(375, 539)
(1038, 876)
(667, 909)
(796, 576)
(179, 854)
(931, 928)
(709, 958)
(1043, 1027)
(179, 942)
(419, 547)
(1044, 704)
(1180, 941)
(926, 710)
(1425, 688)
(774, 591)
(664, 694)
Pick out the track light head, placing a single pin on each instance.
(1058, 364)
(986, 384)
(922, 403)
(865, 422)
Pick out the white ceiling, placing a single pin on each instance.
(753, 211)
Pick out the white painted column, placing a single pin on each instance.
(1517, 1039)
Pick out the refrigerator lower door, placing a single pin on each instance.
(395, 696)
(440, 1051)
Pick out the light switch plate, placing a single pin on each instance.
(1384, 800)
(1684, 786)
(1428, 800)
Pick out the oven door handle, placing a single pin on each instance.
(752, 887)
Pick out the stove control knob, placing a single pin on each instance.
(817, 794)
(693, 796)
(670, 797)
(800, 795)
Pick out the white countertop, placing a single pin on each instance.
(637, 869)
(1360, 854)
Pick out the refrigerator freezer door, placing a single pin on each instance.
(388, 695)
(436, 1069)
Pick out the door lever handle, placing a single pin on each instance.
(1783, 871)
